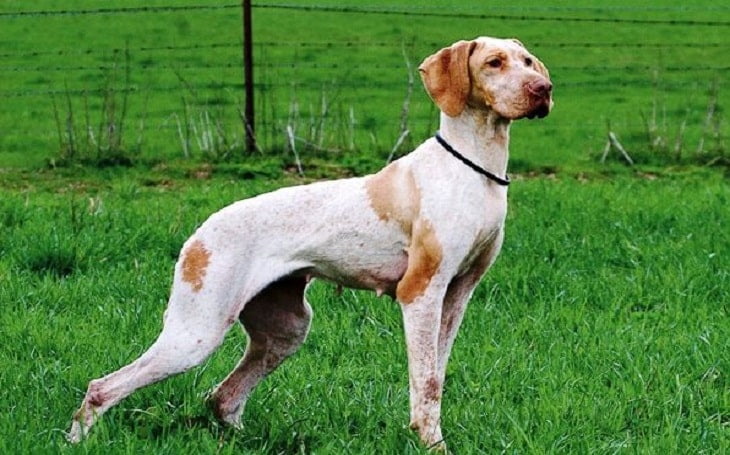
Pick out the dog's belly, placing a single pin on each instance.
(373, 258)
(379, 270)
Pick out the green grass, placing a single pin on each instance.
(602, 328)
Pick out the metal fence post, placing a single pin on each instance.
(248, 77)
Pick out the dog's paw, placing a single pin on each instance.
(225, 414)
(77, 433)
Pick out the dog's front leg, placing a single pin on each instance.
(421, 292)
(421, 320)
(457, 297)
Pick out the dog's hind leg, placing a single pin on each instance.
(201, 309)
(277, 322)
(183, 343)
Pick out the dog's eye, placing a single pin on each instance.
(528, 61)
(495, 62)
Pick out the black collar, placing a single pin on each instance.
(500, 181)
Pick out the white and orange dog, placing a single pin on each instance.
(422, 230)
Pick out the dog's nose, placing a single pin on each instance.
(540, 88)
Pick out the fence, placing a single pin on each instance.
(328, 77)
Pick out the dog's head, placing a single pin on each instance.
(488, 73)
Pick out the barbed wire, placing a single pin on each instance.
(592, 9)
(486, 16)
(105, 11)
(117, 50)
(366, 10)
(435, 44)
(348, 65)
(414, 8)
(104, 90)
(337, 44)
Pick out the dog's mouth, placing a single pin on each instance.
(541, 111)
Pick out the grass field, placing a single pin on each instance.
(602, 328)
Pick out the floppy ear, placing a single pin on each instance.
(446, 77)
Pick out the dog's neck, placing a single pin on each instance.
(481, 136)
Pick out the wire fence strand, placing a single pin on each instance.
(355, 44)
(107, 11)
(348, 66)
(373, 10)
(486, 16)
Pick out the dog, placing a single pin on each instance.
(422, 230)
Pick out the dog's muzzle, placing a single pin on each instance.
(541, 92)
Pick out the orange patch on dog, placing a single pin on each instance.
(195, 265)
(394, 196)
(424, 258)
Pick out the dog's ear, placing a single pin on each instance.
(446, 77)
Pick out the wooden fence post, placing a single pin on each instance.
(248, 77)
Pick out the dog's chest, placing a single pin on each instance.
(481, 228)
